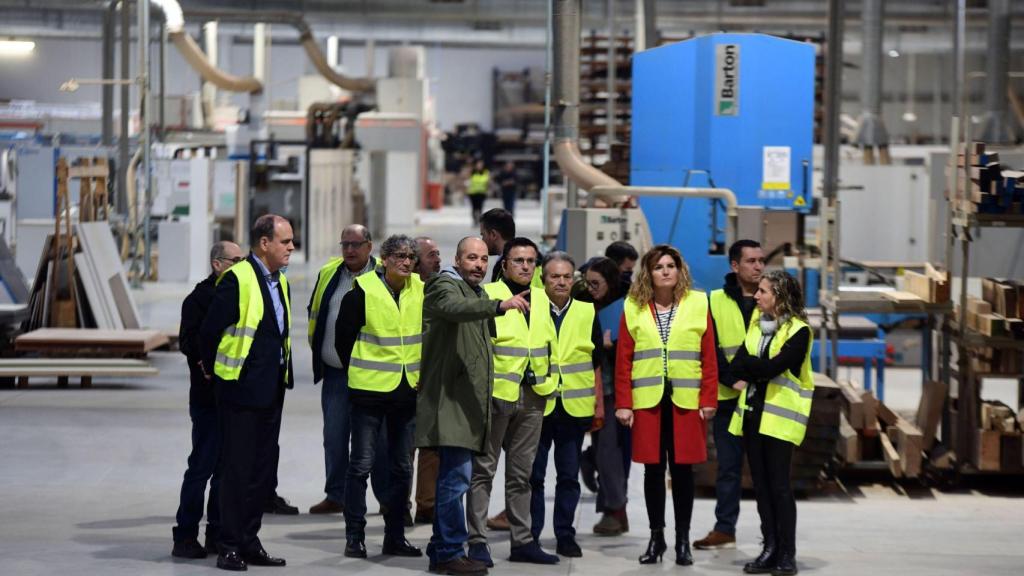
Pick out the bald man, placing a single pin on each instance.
(453, 409)
(202, 409)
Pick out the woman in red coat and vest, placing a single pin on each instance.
(666, 388)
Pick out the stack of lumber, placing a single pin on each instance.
(64, 368)
(82, 341)
(869, 430)
(993, 189)
(932, 286)
(999, 313)
(810, 457)
(999, 439)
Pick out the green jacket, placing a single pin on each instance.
(457, 371)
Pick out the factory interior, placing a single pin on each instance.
(873, 149)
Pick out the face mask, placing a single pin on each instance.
(626, 277)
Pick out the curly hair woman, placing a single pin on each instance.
(775, 365)
(666, 388)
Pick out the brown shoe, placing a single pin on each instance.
(499, 522)
(715, 540)
(327, 506)
(461, 566)
(612, 524)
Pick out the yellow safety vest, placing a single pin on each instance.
(731, 333)
(236, 341)
(391, 341)
(682, 352)
(572, 361)
(518, 345)
(479, 182)
(323, 280)
(787, 401)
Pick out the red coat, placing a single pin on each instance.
(689, 430)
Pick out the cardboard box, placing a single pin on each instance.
(1010, 453)
(987, 457)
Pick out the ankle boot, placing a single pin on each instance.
(655, 548)
(683, 555)
(765, 561)
(786, 565)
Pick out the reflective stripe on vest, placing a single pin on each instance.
(682, 352)
(788, 397)
(730, 332)
(572, 361)
(323, 280)
(518, 344)
(390, 342)
(236, 341)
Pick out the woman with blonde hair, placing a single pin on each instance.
(666, 388)
(774, 365)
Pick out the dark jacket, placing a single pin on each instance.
(193, 311)
(260, 383)
(456, 375)
(321, 319)
(733, 290)
(757, 371)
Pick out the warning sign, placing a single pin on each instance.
(799, 202)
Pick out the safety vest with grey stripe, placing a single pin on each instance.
(730, 333)
(236, 340)
(788, 397)
(519, 345)
(676, 362)
(390, 342)
(572, 361)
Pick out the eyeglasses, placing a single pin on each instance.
(234, 260)
(595, 283)
(352, 245)
(403, 256)
(523, 261)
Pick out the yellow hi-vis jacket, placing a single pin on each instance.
(391, 341)
(518, 344)
(787, 401)
(681, 354)
(323, 280)
(572, 361)
(237, 340)
(730, 332)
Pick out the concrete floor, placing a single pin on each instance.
(91, 477)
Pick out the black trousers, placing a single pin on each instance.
(770, 460)
(682, 481)
(248, 471)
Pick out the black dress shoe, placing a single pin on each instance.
(355, 549)
(765, 561)
(278, 505)
(786, 565)
(569, 548)
(260, 557)
(231, 561)
(402, 547)
(189, 549)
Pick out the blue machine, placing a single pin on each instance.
(727, 110)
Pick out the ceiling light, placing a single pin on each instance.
(894, 53)
(16, 47)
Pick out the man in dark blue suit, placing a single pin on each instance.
(247, 353)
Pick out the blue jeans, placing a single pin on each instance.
(450, 533)
(728, 482)
(202, 467)
(334, 400)
(566, 433)
(367, 425)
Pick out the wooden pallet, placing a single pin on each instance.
(64, 368)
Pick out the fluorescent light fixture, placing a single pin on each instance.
(894, 53)
(16, 47)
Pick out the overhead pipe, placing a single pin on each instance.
(871, 128)
(566, 24)
(996, 124)
(306, 39)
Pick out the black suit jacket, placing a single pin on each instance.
(261, 382)
(193, 311)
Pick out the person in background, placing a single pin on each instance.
(428, 263)
(202, 409)
(576, 405)
(774, 365)
(625, 256)
(379, 339)
(246, 348)
(333, 282)
(612, 442)
(666, 388)
(479, 186)
(731, 309)
(496, 228)
(509, 183)
(453, 408)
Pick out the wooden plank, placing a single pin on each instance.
(929, 411)
(892, 457)
(903, 297)
(140, 341)
(62, 362)
(852, 404)
(69, 371)
(870, 409)
(907, 439)
(884, 413)
(88, 171)
(848, 445)
(987, 457)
